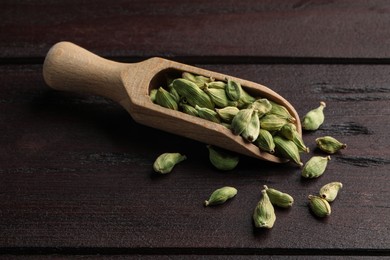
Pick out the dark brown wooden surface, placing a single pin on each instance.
(76, 176)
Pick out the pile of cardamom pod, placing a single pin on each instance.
(260, 121)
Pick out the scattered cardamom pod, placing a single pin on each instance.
(208, 114)
(279, 198)
(227, 113)
(329, 191)
(241, 120)
(166, 161)
(221, 195)
(329, 144)
(315, 166)
(319, 206)
(287, 149)
(265, 141)
(233, 90)
(264, 213)
(222, 159)
(192, 93)
(314, 118)
(251, 132)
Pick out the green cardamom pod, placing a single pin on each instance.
(165, 99)
(188, 109)
(329, 144)
(202, 80)
(288, 131)
(264, 213)
(221, 195)
(208, 114)
(287, 149)
(215, 84)
(251, 132)
(281, 111)
(152, 95)
(265, 141)
(192, 93)
(297, 139)
(219, 97)
(314, 118)
(245, 99)
(262, 105)
(165, 162)
(174, 93)
(272, 122)
(319, 206)
(233, 90)
(241, 120)
(329, 191)
(188, 76)
(315, 166)
(227, 113)
(279, 198)
(222, 159)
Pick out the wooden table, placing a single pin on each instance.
(76, 174)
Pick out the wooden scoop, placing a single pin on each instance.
(69, 67)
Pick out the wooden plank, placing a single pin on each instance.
(76, 172)
(249, 30)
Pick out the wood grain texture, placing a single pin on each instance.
(76, 173)
(250, 30)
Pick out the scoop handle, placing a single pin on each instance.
(69, 67)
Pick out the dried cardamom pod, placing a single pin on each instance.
(262, 105)
(279, 198)
(233, 90)
(192, 93)
(152, 95)
(222, 159)
(199, 80)
(227, 113)
(251, 132)
(219, 97)
(208, 114)
(174, 93)
(329, 191)
(315, 166)
(314, 118)
(288, 131)
(281, 111)
(287, 149)
(264, 213)
(166, 161)
(221, 195)
(265, 141)
(329, 144)
(215, 84)
(245, 99)
(272, 122)
(241, 120)
(319, 206)
(188, 109)
(165, 99)
(297, 139)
